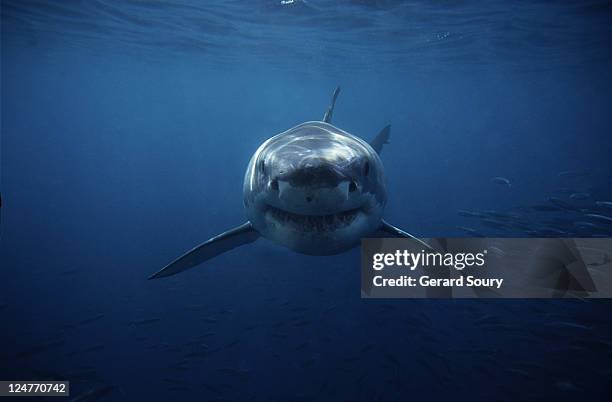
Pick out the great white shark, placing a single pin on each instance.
(314, 188)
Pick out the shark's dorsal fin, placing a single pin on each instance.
(330, 110)
(381, 139)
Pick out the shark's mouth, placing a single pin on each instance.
(312, 223)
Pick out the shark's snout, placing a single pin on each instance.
(314, 174)
(312, 187)
(315, 199)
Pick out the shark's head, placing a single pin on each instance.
(315, 189)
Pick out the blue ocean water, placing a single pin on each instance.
(126, 130)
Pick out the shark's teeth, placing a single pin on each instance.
(312, 223)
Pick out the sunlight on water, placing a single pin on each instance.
(351, 34)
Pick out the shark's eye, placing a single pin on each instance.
(352, 186)
(366, 168)
(274, 185)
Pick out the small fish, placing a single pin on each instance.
(386, 307)
(178, 388)
(330, 308)
(302, 346)
(502, 181)
(572, 174)
(94, 348)
(604, 204)
(497, 251)
(90, 320)
(469, 214)
(585, 225)
(145, 321)
(545, 208)
(87, 350)
(570, 325)
(566, 190)
(173, 381)
(562, 204)
(502, 215)
(367, 348)
(86, 374)
(350, 359)
(606, 261)
(467, 230)
(195, 307)
(94, 394)
(279, 335)
(600, 218)
(228, 370)
(33, 351)
(210, 388)
(580, 196)
(470, 231)
(232, 344)
(520, 372)
(392, 359)
(492, 223)
(182, 365)
(487, 320)
(196, 355)
(566, 386)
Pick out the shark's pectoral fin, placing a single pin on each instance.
(381, 139)
(387, 230)
(226, 241)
